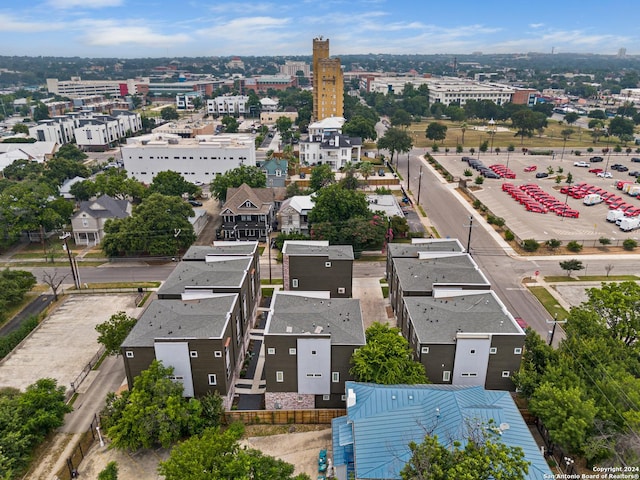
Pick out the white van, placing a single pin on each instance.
(614, 215)
(592, 199)
(629, 223)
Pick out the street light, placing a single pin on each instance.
(555, 322)
(100, 436)
(74, 273)
(469, 237)
(419, 184)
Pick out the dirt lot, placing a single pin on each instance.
(299, 449)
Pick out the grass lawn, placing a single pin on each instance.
(124, 285)
(549, 303)
(594, 278)
(274, 281)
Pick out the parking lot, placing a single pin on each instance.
(591, 224)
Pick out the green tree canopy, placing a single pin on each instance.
(158, 226)
(169, 113)
(22, 169)
(27, 206)
(321, 176)
(617, 305)
(171, 183)
(571, 265)
(334, 203)
(114, 331)
(59, 169)
(153, 413)
(217, 454)
(571, 117)
(71, 152)
(359, 126)
(20, 128)
(395, 141)
(386, 359)
(401, 118)
(527, 121)
(283, 126)
(115, 183)
(620, 126)
(231, 125)
(252, 176)
(436, 131)
(484, 457)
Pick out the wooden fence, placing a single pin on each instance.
(284, 417)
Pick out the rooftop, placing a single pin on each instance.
(293, 314)
(432, 245)
(439, 320)
(200, 252)
(176, 319)
(225, 273)
(311, 248)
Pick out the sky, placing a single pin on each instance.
(193, 28)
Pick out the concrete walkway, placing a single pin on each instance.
(373, 305)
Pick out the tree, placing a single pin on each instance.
(283, 126)
(482, 458)
(54, 281)
(158, 226)
(571, 118)
(115, 183)
(395, 140)
(217, 454)
(553, 243)
(618, 305)
(572, 265)
(252, 176)
(463, 129)
(59, 169)
(172, 183)
(401, 118)
(40, 112)
(169, 113)
(386, 359)
(359, 126)
(42, 408)
(114, 331)
(526, 122)
(83, 190)
(363, 233)
(349, 180)
(620, 126)
(71, 152)
(22, 169)
(366, 170)
(436, 131)
(28, 206)
(20, 128)
(110, 472)
(231, 125)
(336, 204)
(153, 413)
(321, 176)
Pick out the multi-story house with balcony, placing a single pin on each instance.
(248, 213)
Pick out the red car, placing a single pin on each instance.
(569, 213)
(521, 322)
(531, 168)
(596, 170)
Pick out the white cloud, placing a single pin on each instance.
(111, 33)
(71, 4)
(536, 25)
(9, 23)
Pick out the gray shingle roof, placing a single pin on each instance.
(411, 250)
(200, 252)
(437, 320)
(298, 315)
(104, 207)
(224, 273)
(175, 319)
(416, 275)
(332, 252)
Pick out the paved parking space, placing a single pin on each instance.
(592, 223)
(65, 342)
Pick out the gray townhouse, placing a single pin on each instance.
(308, 343)
(314, 265)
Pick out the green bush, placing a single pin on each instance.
(11, 341)
(509, 236)
(540, 152)
(459, 149)
(629, 244)
(604, 241)
(468, 172)
(498, 221)
(574, 246)
(530, 245)
(477, 204)
(553, 243)
(479, 180)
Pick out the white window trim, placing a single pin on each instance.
(294, 283)
(517, 351)
(506, 374)
(279, 376)
(341, 290)
(129, 354)
(335, 377)
(193, 354)
(493, 350)
(293, 351)
(271, 351)
(217, 354)
(327, 264)
(326, 397)
(446, 375)
(213, 379)
(424, 350)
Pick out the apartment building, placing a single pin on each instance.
(234, 105)
(328, 82)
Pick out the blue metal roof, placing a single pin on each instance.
(385, 418)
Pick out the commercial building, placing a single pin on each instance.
(292, 68)
(233, 105)
(328, 82)
(197, 159)
(76, 87)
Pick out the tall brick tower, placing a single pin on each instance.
(328, 82)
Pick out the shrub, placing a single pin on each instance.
(590, 149)
(530, 245)
(629, 244)
(553, 243)
(498, 221)
(468, 172)
(435, 148)
(574, 246)
(477, 204)
(490, 219)
(459, 149)
(604, 241)
(479, 180)
(577, 153)
(509, 236)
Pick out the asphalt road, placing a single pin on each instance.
(34, 308)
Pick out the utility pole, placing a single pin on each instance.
(419, 184)
(555, 322)
(72, 264)
(469, 237)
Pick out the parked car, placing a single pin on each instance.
(605, 175)
(569, 213)
(596, 170)
(581, 164)
(520, 321)
(616, 166)
(634, 173)
(623, 168)
(596, 159)
(531, 168)
(195, 203)
(635, 159)
(542, 175)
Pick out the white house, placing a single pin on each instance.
(100, 132)
(88, 222)
(197, 159)
(228, 105)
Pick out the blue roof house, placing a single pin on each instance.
(371, 441)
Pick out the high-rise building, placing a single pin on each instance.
(328, 83)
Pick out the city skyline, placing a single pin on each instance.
(134, 29)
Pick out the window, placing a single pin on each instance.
(292, 351)
(294, 283)
(213, 379)
(424, 350)
(193, 354)
(493, 350)
(517, 351)
(326, 397)
(341, 290)
(446, 375)
(335, 377)
(506, 374)
(217, 354)
(280, 377)
(472, 351)
(472, 375)
(313, 352)
(343, 397)
(271, 351)
(129, 354)
(327, 264)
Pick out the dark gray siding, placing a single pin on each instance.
(504, 360)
